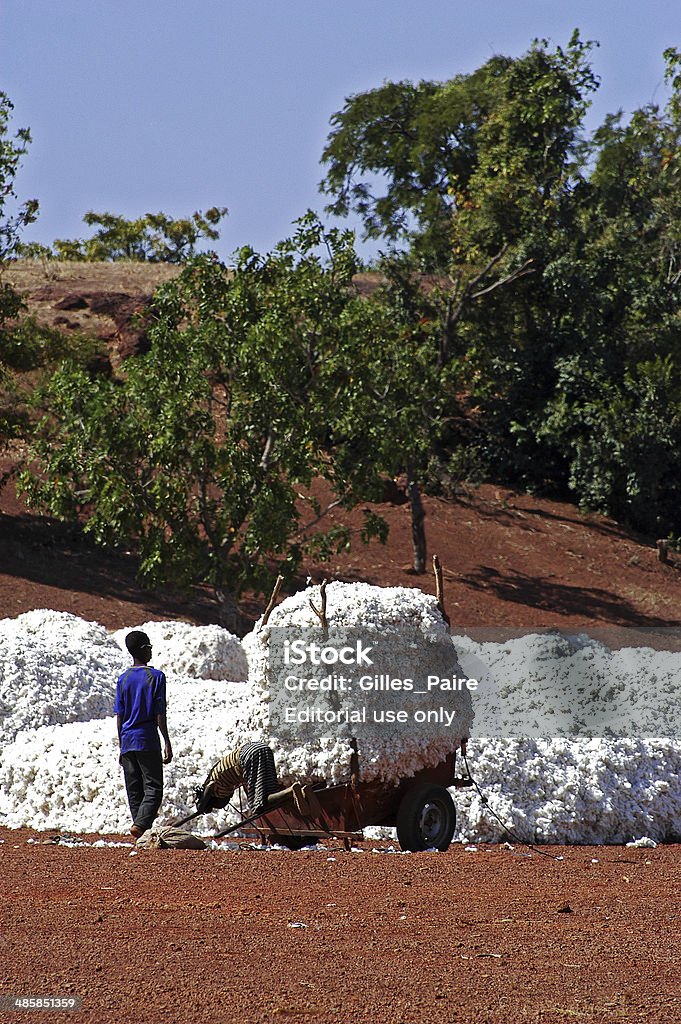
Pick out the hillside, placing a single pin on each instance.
(510, 559)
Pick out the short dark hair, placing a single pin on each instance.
(137, 643)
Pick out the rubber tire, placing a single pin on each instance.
(294, 842)
(426, 818)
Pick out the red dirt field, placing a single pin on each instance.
(489, 937)
(510, 560)
(189, 936)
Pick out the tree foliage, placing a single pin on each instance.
(615, 411)
(558, 270)
(13, 219)
(12, 149)
(412, 160)
(155, 238)
(541, 348)
(203, 453)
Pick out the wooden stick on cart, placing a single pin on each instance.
(321, 612)
(439, 589)
(272, 601)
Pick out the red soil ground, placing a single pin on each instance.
(478, 938)
(509, 560)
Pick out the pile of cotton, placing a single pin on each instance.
(408, 639)
(68, 777)
(573, 791)
(547, 685)
(572, 741)
(530, 750)
(204, 652)
(55, 667)
(360, 604)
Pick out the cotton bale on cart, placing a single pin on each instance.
(368, 773)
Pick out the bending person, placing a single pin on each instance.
(252, 766)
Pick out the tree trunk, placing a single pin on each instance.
(229, 616)
(418, 515)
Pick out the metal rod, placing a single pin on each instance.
(183, 821)
(234, 828)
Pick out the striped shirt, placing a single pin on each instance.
(251, 766)
(226, 776)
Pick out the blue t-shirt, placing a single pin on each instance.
(140, 697)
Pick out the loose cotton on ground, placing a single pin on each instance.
(540, 696)
(573, 791)
(547, 685)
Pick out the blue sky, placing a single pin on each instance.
(146, 105)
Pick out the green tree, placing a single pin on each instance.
(202, 454)
(13, 219)
(475, 177)
(487, 148)
(610, 423)
(155, 237)
(12, 150)
(411, 393)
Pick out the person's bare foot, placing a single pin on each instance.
(280, 797)
(136, 831)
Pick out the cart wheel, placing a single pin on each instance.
(294, 842)
(426, 818)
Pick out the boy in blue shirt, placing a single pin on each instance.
(140, 710)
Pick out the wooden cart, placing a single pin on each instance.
(420, 808)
